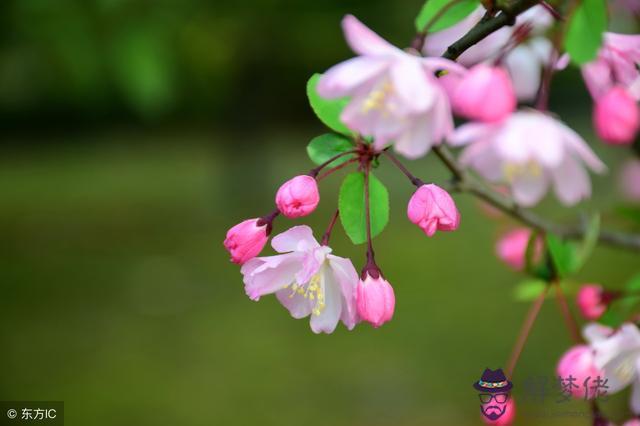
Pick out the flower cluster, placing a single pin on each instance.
(610, 354)
(389, 99)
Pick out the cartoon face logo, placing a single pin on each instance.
(493, 388)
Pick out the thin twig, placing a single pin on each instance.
(479, 188)
(569, 319)
(336, 168)
(414, 180)
(418, 42)
(327, 233)
(523, 336)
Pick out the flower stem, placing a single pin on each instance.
(336, 168)
(314, 172)
(569, 319)
(523, 336)
(414, 180)
(327, 233)
(268, 220)
(370, 267)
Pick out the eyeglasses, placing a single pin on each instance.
(500, 398)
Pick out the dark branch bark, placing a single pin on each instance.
(487, 26)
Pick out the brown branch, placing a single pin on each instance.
(465, 183)
(485, 27)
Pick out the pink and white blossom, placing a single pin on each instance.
(376, 300)
(617, 355)
(616, 116)
(524, 62)
(432, 209)
(530, 151)
(298, 196)
(615, 65)
(246, 240)
(484, 94)
(307, 279)
(395, 96)
(512, 248)
(579, 363)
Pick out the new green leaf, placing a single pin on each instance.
(351, 203)
(327, 110)
(324, 147)
(584, 36)
(562, 255)
(448, 13)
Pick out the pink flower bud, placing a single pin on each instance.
(245, 240)
(298, 197)
(578, 363)
(512, 248)
(630, 180)
(632, 422)
(432, 208)
(485, 94)
(616, 117)
(375, 300)
(590, 301)
(505, 419)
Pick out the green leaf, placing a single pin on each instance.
(528, 290)
(451, 16)
(588, 243)
(562, 255)
(633, 285)
(584, 35)
(351, 203)
(619, 310)
(324, 147)
(327, 110)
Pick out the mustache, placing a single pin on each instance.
(493, 408)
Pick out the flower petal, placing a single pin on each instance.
(298, 238)
(347, 278)
(363, 40)
(328, 319)
(344, 78)
(297, 304)
(529, 188)
(571, 182)
(411, 83)
(266, 275)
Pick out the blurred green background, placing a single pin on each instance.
(136, 132)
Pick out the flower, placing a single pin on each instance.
(375, 300)
(524, 62)
(630, 180)
(307, 279)
(298, 197)
(432, 208)
(616, 116)
(617, 355)
(512, 248)
(632, 422)
(614, 65)
(578, 363)
(590, 301)
(529, 151)
(246, 240)
(484, 94)
(395, 96)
